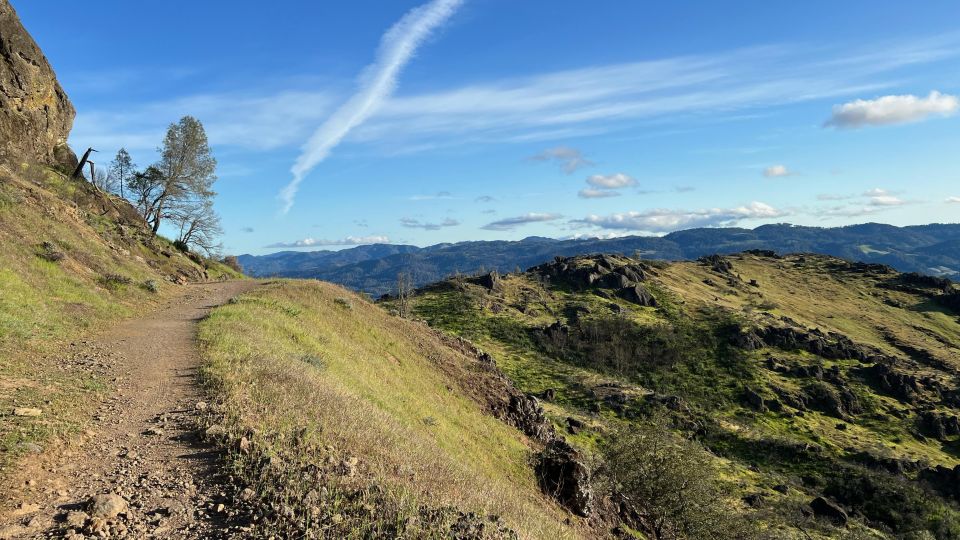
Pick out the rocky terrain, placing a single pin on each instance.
(824, 389)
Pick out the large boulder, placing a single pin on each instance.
(565, 477)
(35, 113)
(827, 509)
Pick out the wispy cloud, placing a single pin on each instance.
(834, 197)
(591, 193)
(776, 171)
(438, 196)
(412, 223)
(246, 230)
(664, 220)
(888, 110)
(317, 242)
(953, 200)
(485, 199)
(509, 224)
(378, 81)
(569, 159)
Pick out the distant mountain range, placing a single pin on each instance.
(931, 249)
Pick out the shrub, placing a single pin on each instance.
(49, 252)
(343, 302)
(181, 246)
(670, 484)
(233, 263)
(113, 281)
(150, 285)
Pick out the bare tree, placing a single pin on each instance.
(104, 181)
(122, 168)
(404, 291)
(198, 226)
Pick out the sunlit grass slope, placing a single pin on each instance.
(71, 261)
(321, 380)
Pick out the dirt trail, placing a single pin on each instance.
(142, 444)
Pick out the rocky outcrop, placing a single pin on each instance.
(621, 275)
(827, 509)
(563, 474)
(889, 380)
(35, 113)
(717, 263)
(938, 425)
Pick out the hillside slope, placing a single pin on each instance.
(73, 260)
(927, 249)
(805, 376)
(347, 422)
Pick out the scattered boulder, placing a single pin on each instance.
(564, 476)
(885, 377)
(574, 426)
(824, 508)
(754, 399)
(490, 281)
(937, 425)
(637, 294)
(106, 506)
(717, 263)
(526, 414)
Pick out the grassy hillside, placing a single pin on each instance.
(73, 260)
(803, 376)
(356, 423)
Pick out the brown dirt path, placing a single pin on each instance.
(143, 444)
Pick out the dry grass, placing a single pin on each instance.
(318, 383)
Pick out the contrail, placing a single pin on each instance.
(377, 83)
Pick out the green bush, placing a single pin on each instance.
(671, 485)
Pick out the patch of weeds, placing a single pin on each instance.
(49, 252)
(314, 361)
(343, 302)
(115, 281)
(150, 285)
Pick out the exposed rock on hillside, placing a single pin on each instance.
(35, 113)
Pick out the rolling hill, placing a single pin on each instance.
(929, 249)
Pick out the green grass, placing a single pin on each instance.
(318, 382)
(45, 304)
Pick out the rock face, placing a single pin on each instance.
(563, 475)
(35, 113)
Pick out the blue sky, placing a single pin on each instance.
(498, 119)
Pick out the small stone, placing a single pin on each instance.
(246, 494)
(215, 431)
(201, 405)
(76, 519)
(27, 411)
(244, 445)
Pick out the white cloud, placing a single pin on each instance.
(348, 241)
(377, 83)
(611, 181)
(876, 192)
(886, 200)
(569, 159)
(888, 110)
(662, 220)
(509, 224)
(412, 223)
(776, 171)
(485, 199)
(589, 193)
(953, 199)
